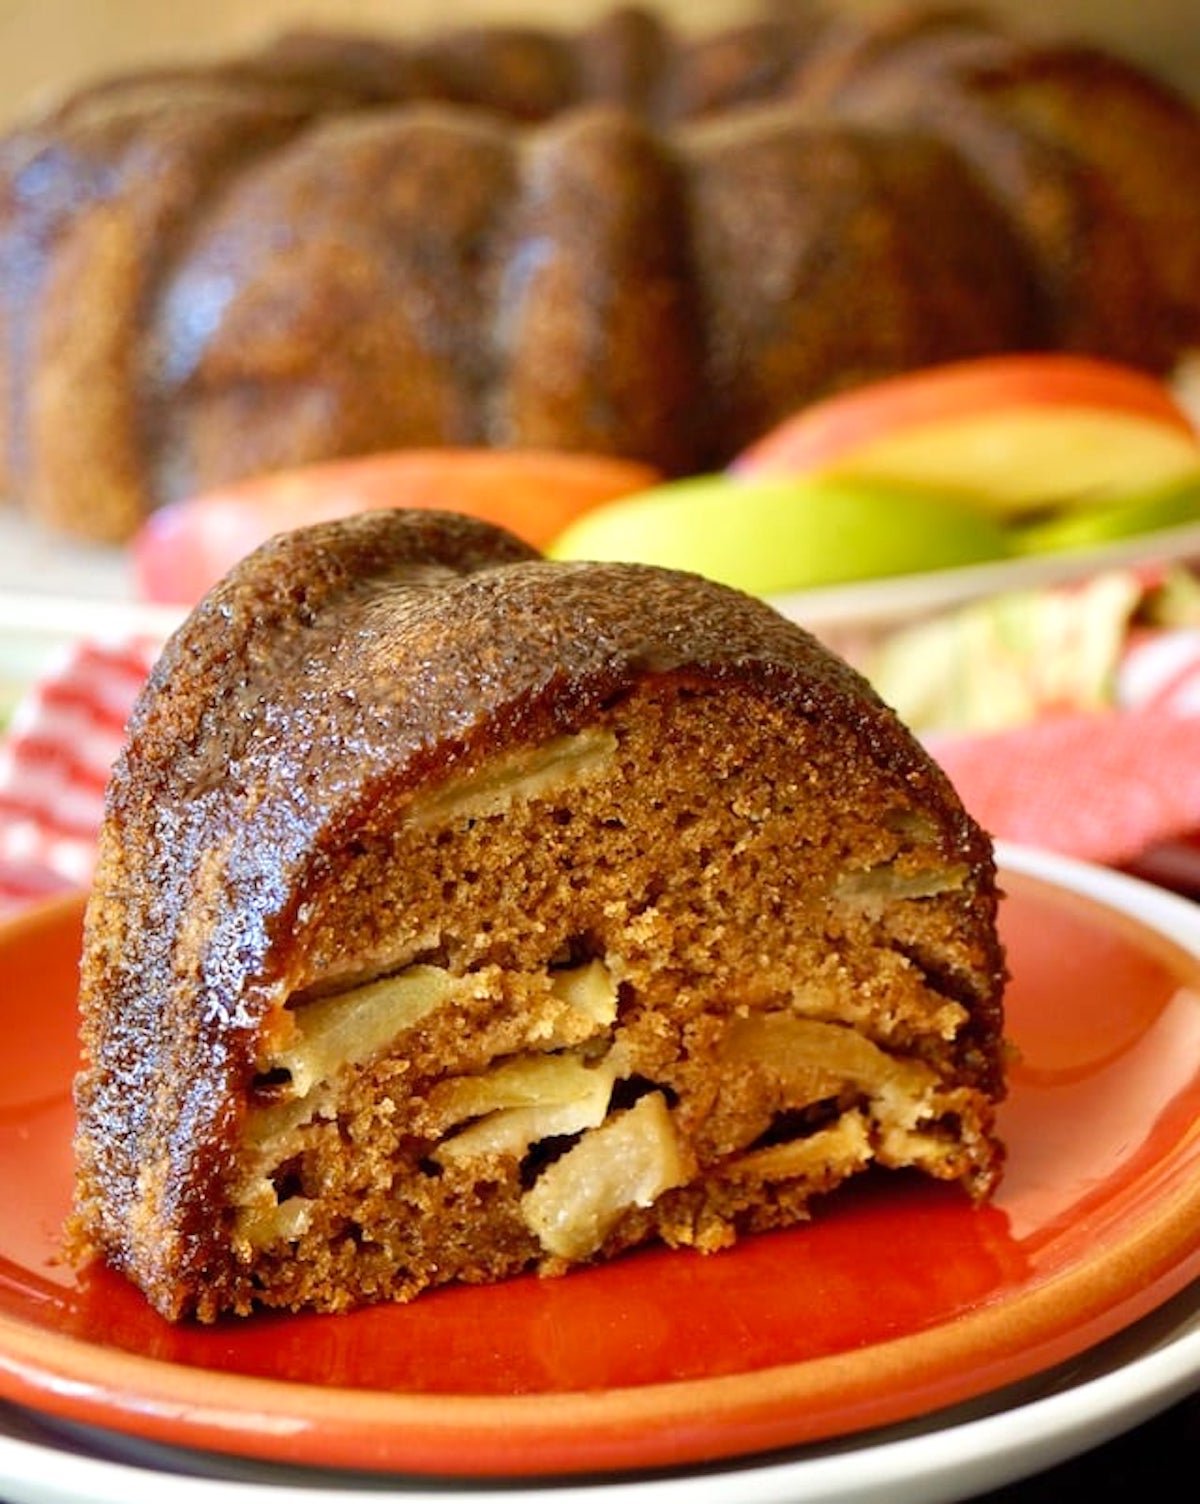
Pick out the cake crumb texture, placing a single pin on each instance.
(461, 913)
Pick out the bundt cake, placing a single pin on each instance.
(460, 913)
(620, 240)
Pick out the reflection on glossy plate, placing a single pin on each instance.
(899, 1299)
(952, 1455)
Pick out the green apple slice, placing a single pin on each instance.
(1107, 522)
(773, 535)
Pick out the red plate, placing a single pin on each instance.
(899, 1299)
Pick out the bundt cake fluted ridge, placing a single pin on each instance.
(616, 240)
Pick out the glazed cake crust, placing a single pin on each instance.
(264, 807)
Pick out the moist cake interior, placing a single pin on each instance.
(583, 991)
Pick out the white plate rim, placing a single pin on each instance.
(65, 606)
(890, 600)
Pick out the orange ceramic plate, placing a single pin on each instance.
(898, 1300)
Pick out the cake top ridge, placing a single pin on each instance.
(400, 630)
(356, 662)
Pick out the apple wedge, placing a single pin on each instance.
(772, 535)
(1173, 505)
(187, 546)
(1026, 432)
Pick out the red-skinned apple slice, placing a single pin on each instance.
(186, 547)
(1024, 432)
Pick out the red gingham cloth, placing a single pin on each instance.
(1107, 785)
(54, 762)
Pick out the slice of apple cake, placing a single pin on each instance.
(460, 913)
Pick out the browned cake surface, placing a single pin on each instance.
(508, 236)
(460, 913)
(1083, 154)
